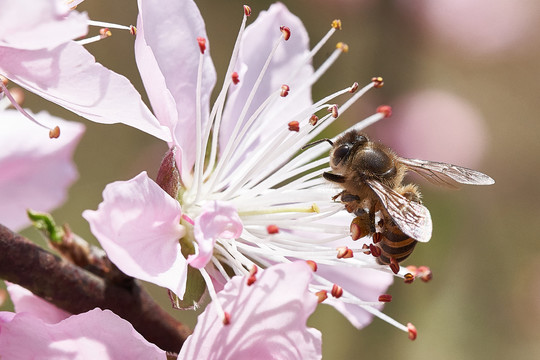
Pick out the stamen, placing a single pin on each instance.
(377, 81)
(312, 264)
(286, 32)
(272, 229)
(321, 295)
(202, 44)
(111, 25)
(215, 301)
(199, 152)
(294, 126)
(354, 87)
(377, 237)
(375, 250)
(408, 278)
(247, 10)
(313, 120)
(344, 252)
(337, 291)
(394, 265)
(53, 132)
(334, 110)
(336, 24)
(103, 34)
(412, 331)
(386, 110)
(235, 78)
(226, 318)
(342, 46)
(284, 90)
(385, 298)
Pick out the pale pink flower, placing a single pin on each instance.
(268, 319)
(96, 334)
(35, 171)
(37, 52)
(246, 197)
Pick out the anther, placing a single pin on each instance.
(235, 78)
(294, 126)
(394, 265)
(385, 298)
(375, 250)
(386, 110)
(354, 87)
(286, 32)
(272, 229)
(344, 252)
(312, 264)
(336, 24)
(132, 30)
(4, 81)
(284, 90)
(377, 81)
(251, 280)
(412, 331)
(342, 46)
(105, 33)
(425, 273)
(321, 295)
(54, 133)
(377, 237)
(408, 278)
(334, 110)
(226, 318)
(365, 247)
(247, 10)
(202, 44)
(337, 291)
(253, 270)
(313, 120)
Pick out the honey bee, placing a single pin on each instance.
(371, 176)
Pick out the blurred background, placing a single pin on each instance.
(463, 80)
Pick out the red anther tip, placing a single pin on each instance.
(294, 126)
(354, 87)
(344, 252)
(312, 264)
(322, 295)
(377, 237)
(54, 133)
(251, 280)
(202, 44)
(356, 231)
(105, 32)
(226, 318)
(365, 247)
(412, 331)
(394, 265)
(342, 46)
(413, 269)
(253, 270)
(4, 80)
(313, 120)
(132, 30)
(284, 90)
(408, 278)
(385, 298)
(286, 32)
(336, 24)
(235, 78)
(247, 10)
(375, 250)
(272, 229)
(425, 273)
(337, 291)
(378, 81)
(386, 110)
(334, 110)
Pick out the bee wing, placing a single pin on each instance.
(446, 174)
(411, 217)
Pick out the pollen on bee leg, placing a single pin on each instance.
(235, 78)
(294, 126)
(337, 291)
(321, 295)
(344, 252)
(286, 32)
(377, 81)
(386, 110)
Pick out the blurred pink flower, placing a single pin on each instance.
(436, 125)
(479, 26)
(96, 334)
(35, 171)
(242, 199)
(37, 52)
(268, 319)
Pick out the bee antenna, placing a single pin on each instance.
(316, 142)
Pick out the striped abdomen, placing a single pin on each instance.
(394, 243)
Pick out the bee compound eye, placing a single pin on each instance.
(341, 153)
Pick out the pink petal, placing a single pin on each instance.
(365, 284)
(138, 225)
(69, 76)
(268, 319)
(96, 334)
(34, 173)
(31, 25)
(167, 54)
(256, 45)
(25, 301)
(217, 220)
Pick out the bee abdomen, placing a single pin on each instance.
(395, 245)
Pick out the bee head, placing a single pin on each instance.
(343, 147)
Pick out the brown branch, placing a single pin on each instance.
(75, 290)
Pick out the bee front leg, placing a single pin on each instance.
(340, 179)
